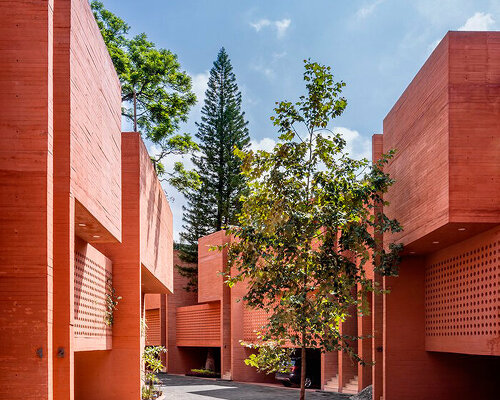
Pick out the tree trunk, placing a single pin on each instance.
(303, 374)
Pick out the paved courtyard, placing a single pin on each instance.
(188, 388)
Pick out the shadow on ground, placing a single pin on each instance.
(191, 388)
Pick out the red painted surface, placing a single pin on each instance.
(210, 263)
(179, 360)
(92, 279)
(377, 302)
(26, 206)
(199, 325)
(119, 369)
(445, 129)
(61, 164)
(95, 107)
(417, 127)
(153, 332)
(445, 299)
(156, 225)
(462, 302)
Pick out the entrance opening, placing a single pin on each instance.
(201, 360)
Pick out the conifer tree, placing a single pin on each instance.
(223, 127)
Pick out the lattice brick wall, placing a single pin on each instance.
(198, 325)
(253, 321)
(92, 271)
(153, 332)
(462, 297)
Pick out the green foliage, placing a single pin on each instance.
(271, 356)
(162, 91)
(111, 303)
(152, 365)
(310, 223)
(205, 372)
(222, 128)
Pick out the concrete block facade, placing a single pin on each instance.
(81, 211)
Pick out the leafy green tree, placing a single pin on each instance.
(156, 93)
(223, 128)
(309, 227)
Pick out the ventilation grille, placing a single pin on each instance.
(90, 297)
(462, 294)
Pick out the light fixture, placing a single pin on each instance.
(435, 242)
(96, 236)
(82, 224)
(462, 229)
(412, 252)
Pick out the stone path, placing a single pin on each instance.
(189, 388)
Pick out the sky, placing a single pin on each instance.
(375, 46)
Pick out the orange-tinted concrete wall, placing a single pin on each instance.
(64, 210)
(153, 331)
(377, 302)
(446, 133)
(210, 263)
(474, 140)
(95, 125)
(178, 361)
(152, 301)
(116, 374)
(26, 207)
(199, 325)
(244, 324)
(411, 372)
(417, 127)
(156, 223)
(462, 302)
(92, 281)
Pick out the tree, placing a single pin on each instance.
(156, 93)
(223, 128)
(309, 227)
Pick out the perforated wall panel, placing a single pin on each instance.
(253, 321)
(462, 298)
(92, 271)
(199, 325)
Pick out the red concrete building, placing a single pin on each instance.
(436, 335)
(81, 212)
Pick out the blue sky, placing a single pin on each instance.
(375, 46)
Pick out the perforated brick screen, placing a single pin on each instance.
(91, 275)
(462, 297)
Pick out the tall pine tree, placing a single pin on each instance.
(223, 127)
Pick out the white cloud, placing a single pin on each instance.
(281, 26)
(266, 144)
(356, 145)
(200, 82)
(264, 69)
(478, 22)
(260, 24)
(277, 56)
(368, 9)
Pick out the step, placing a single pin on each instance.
(333, 384)
(351, 387)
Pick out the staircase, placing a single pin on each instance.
(351, 387)
(333, 384)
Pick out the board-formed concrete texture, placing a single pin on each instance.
(81, 212)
